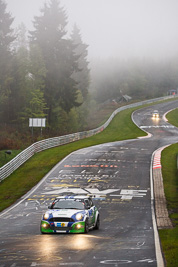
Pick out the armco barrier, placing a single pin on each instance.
(22, 157)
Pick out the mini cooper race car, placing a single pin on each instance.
(70, 214)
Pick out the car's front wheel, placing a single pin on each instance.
(86, 226)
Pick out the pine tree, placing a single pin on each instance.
(19, 86)
(27, 89)
(37, 72)
(60, 89)
(6, 39)
(82, 76)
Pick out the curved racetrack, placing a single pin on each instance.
(119, 175)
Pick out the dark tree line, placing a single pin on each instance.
(44, 75)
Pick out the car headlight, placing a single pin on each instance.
(46, 216)
(45, 225)
(79, 216)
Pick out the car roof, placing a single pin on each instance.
(73, 197)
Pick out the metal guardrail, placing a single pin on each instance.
(22, 157)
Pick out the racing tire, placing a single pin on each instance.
(86, 227)
(97, 225)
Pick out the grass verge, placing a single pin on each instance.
(173, 117)
(169, 237)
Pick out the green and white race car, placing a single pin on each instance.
(70, 214)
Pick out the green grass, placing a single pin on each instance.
(169, 237)
(173, 117)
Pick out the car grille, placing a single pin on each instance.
(61, 228)
(56, 219)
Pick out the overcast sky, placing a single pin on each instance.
(115, 28)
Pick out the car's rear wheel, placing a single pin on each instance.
(97, 225)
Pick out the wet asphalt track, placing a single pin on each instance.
(119, 174)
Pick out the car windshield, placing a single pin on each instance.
(68, 204)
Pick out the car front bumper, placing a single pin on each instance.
(57, 227)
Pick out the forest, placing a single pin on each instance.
(45, 73)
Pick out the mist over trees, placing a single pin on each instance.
(45, 72)
(138, 78)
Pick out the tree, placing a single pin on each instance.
(36, 106)
(27, 95)
(60, 89)
(19, 86)
(6, 40)
(82, 76)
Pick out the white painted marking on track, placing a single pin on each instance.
(40, 264)
(103, 192)
(94, 191)
(115, 262)
(140, 244)
(156, 126)
(127, 197)
(117, 151)
(129, 194)
(146, 260)
(71, 264)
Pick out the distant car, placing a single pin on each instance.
(70, 214)
(155, 114)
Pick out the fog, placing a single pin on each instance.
(114, 28)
